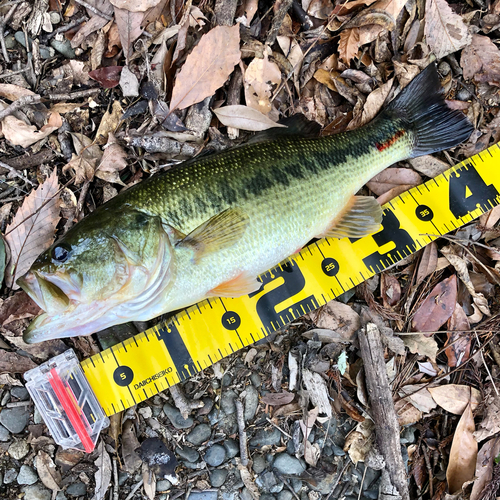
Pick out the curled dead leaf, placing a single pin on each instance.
(455, 398)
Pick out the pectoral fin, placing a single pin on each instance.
(221, 231)
(243, 284)
(362, 217)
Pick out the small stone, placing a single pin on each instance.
(228, 424)
(337, 450)
(285, 495)
(63, 47)
(232, 448)
(187, 453)
(371, 494)
(218, 477)
(463, 95)
(286, 464)
(61, 496)
(4, 434)
(267, 496)
(259, 464)
(227, 402)
(255, 379)
(9, 476)
(227, 380)
(37, 492)
(27, 475)
(266, 437)
(37, 417)
(251, 402)
(77, 489)
(269, 483)
(55, 18)
(175, 417)
(163, 485)
(15, 419)
(199, 434)
(215, 455)
(19, 449)
(66, 459)
(122, 477)
(203, 495)
(20, 393)
(145, 411)
(296, 484)
(245, 494)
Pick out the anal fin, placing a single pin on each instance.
(243, 284)
(362, 217)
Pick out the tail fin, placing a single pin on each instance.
(421, 104)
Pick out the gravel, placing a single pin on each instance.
(10, 476)
(203, 495)
(77, 489)
(37, 492)
(199, 434)
(232, 448)
(187, 453)
(176, 419)
(285, 464)
(27, 475)
(285, 495)
(215, 455)
(227, 402)
(20, 393)
(218, 477)
(4, 434)
(251, 402)
(19, 449)
(163, 485)
(259, 464)
(15, 419)
(266, 437)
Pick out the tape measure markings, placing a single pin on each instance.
(205, 333)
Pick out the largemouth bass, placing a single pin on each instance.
(210, 226)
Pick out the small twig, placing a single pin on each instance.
(240, 417)
(17, 404)
(279, 428)
(68, 26)
(486, 366)
(13, 171)
(337, 481)
(3, 22)
(134, 489)
(115, 477)
(362, 482)
(12, 73)
(94, 10)
(184, 404)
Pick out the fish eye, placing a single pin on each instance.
(60, 253)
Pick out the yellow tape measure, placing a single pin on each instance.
(201, 335)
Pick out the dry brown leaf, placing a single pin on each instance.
(490, 424)
(261, 76)
(131, 460)
(359, 442)
(248, 481)
(419, 396)
(245, 118)
(437, 307)
(349, 44)
(428, 262)
(82, 167)
(338, 317)
(421, 344)
(33, 228)
(445, 32)
(484, 467)
(135, 5)
(458, 343)
(247, 12)
(103, 473)
(207, 67)
(11, 362)
(278, 398)
(13, 92)
(393, 177)
(114, 159)
(20, 134)
(481, 61)
(489, 219)
(428, 165)
(463, 453)
(129, 27)
(455, 398)
(372, 106)
(109, 123)
(49, 474)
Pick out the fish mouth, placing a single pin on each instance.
(47, 290)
